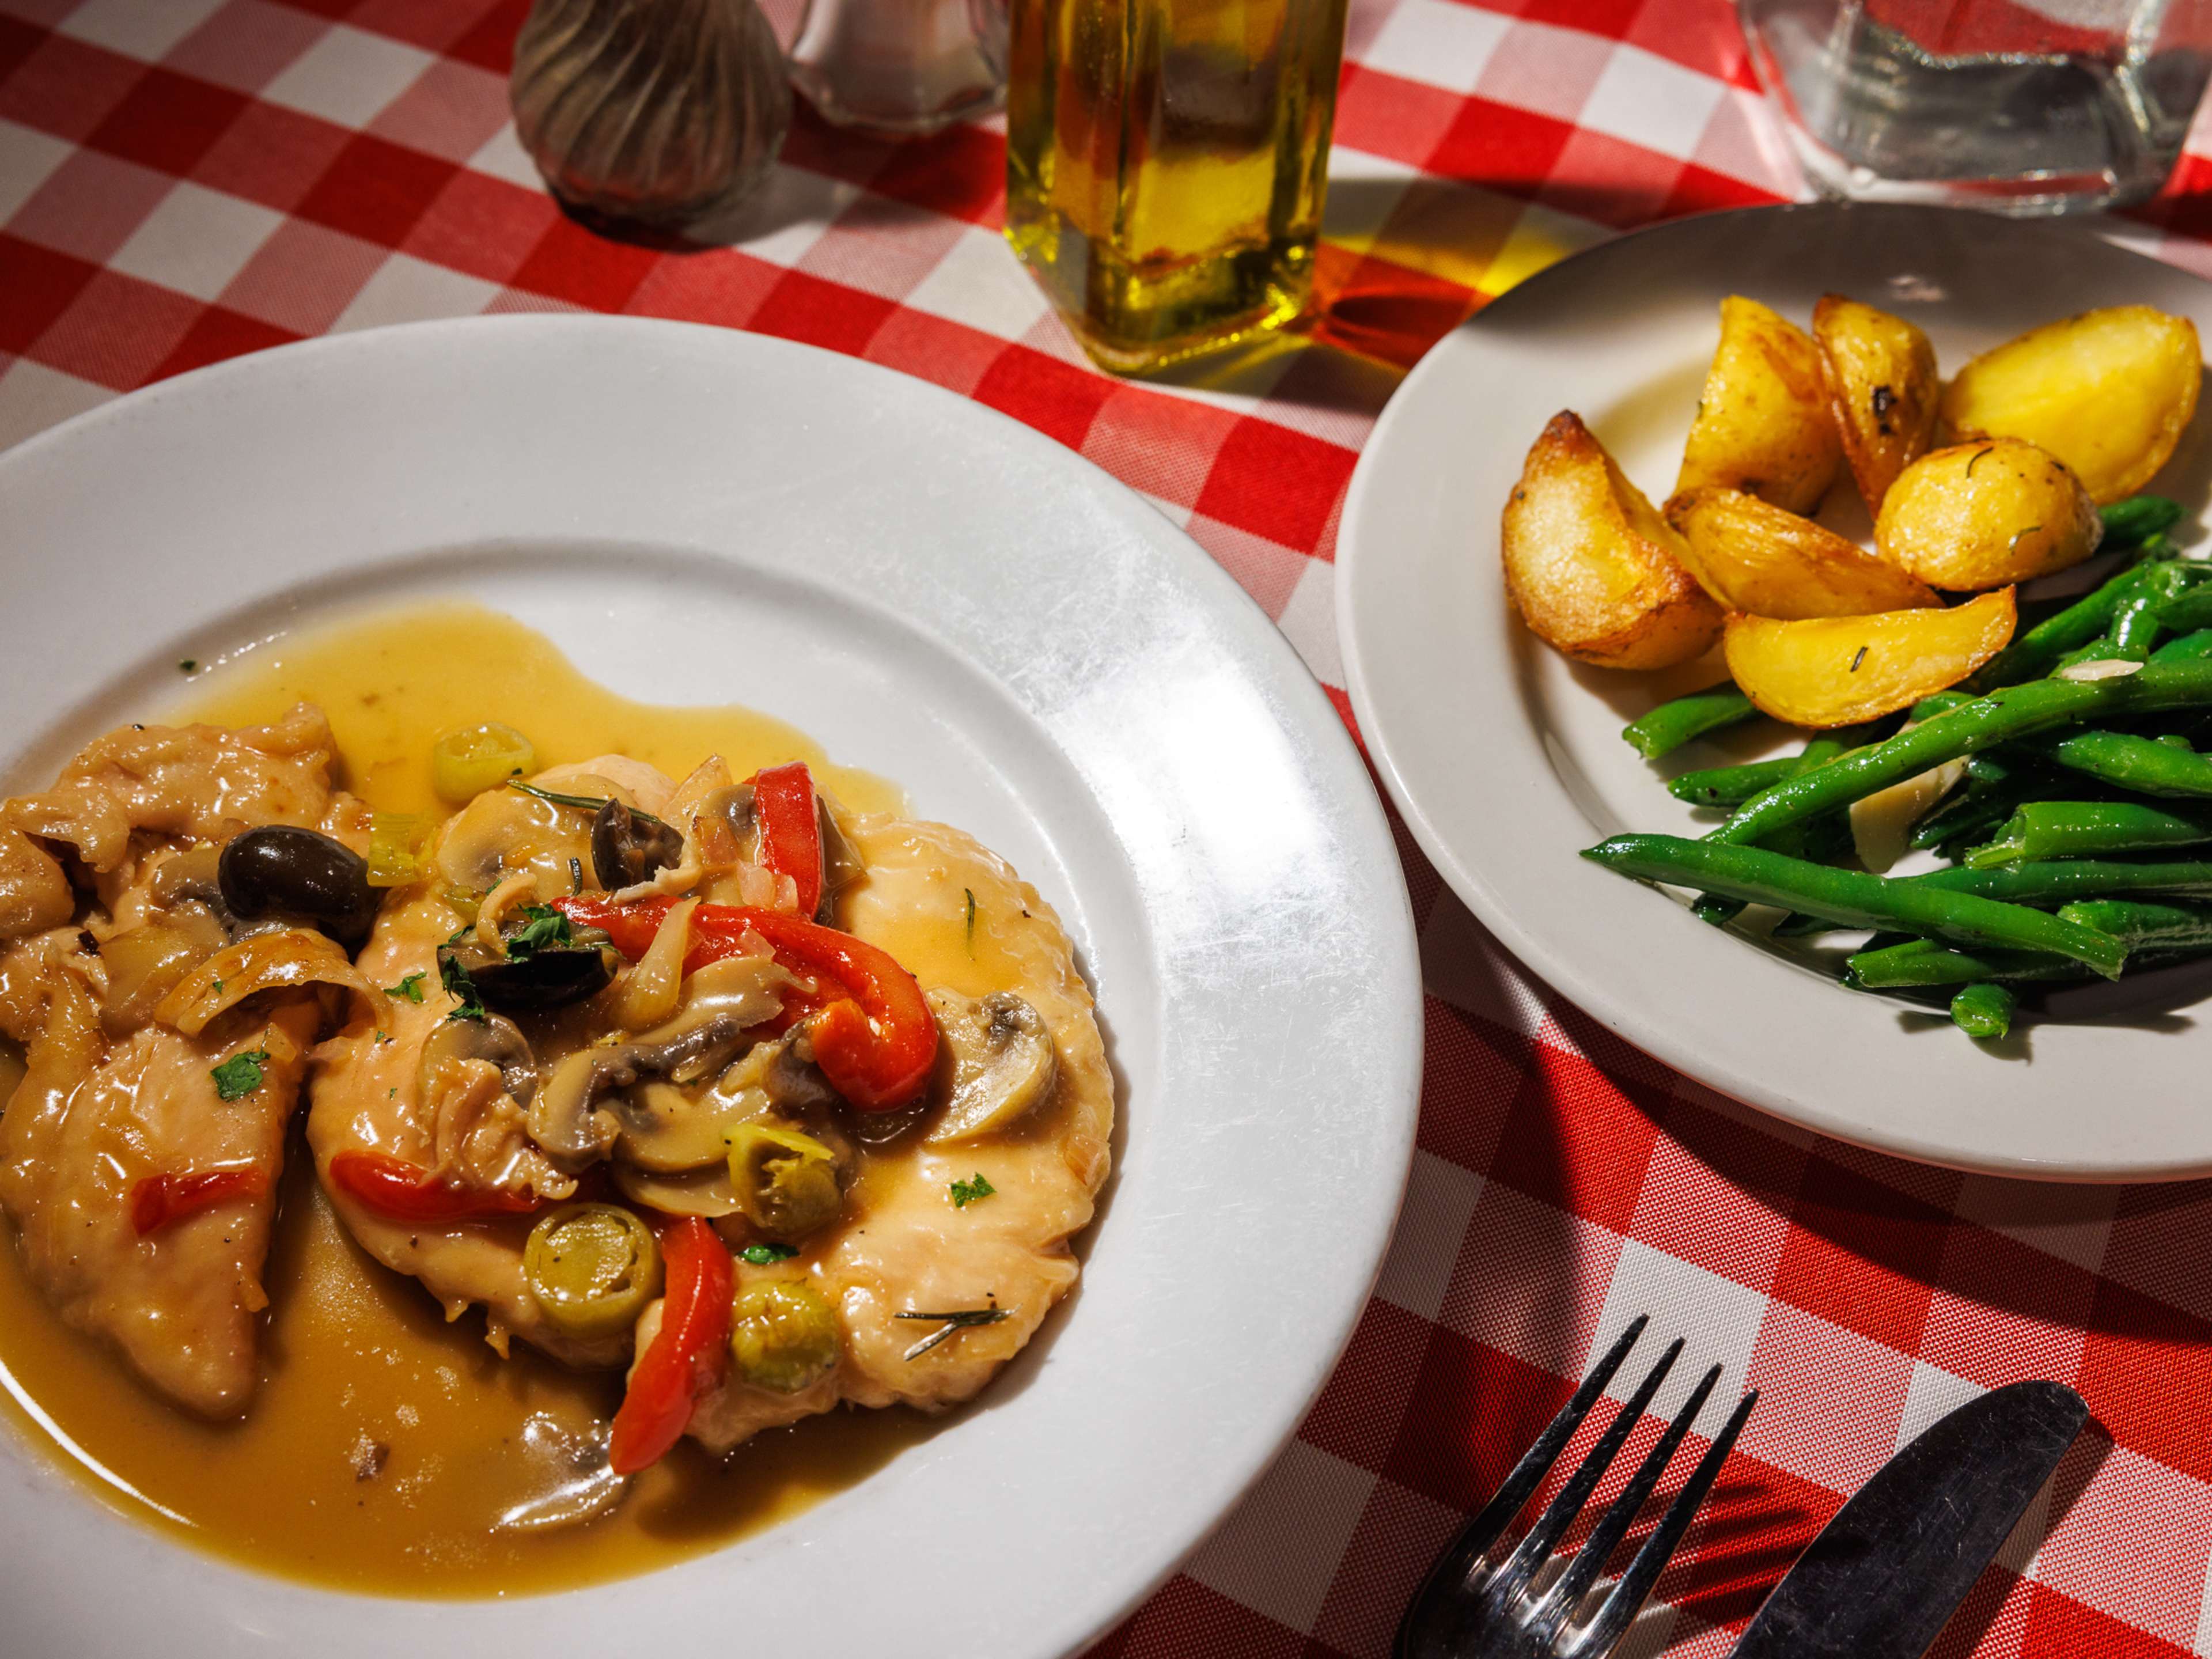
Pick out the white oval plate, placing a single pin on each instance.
(1506, 759)
(703, 516)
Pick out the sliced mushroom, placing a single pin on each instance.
(842, 864)
(497, 1039)
(734, 809)
(567, 1119)
(996, 1062)
(666, 1130)
(630, 846)
(707, 1192)
(784, 1071)
(194, 873)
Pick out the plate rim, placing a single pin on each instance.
(1399, 1054)
(1492, 906)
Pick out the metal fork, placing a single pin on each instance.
(1470, 1609)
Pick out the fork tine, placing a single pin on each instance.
(1628, 1596)
(1511, 1578)
(1560, 1603)
(1455, 1562)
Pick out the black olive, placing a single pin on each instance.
(629, 846)
(545, 979)
(292, 874)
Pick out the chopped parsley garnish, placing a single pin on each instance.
(461, 989)
(218, 987)
(411, 988)
(965, 1193)
(761, 1254)
(239, 1076)
(546, 929)
(186, 664)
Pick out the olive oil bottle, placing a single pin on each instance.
(1166, 162)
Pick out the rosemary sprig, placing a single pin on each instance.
(957, 1319)
(589, 803)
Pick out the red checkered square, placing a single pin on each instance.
(2002, 1311)
(1357, 1416)
(570, 263)
(18, 40)
(1500, 148)
(433, 25)
(1718, 1195)
(218, 333)
(945, 353)
(376, 189)
(168, 120)
(1059, 398)
(116, 330)
(488, 228)
(1162, 446)
(1276, 482)
(1388, 115)
(63, 85)
(2145, 1372)
(1577, 1140)
(1469, 1083)
(1599, 176)
(1861, 1255)
(40, 284)
(2063, 1628)
(271, 155)
(1473, 1411)
(489, 42)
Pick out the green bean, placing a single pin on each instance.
(1671, 725)
(2081, 829)
(1714, 911)
(1937, 702)
(1923, 961)
(2139, 923)
(2140, 618)
(1854, 897)
(2059, 880)
(2148, 766)
(1731, 786)
(2003, 716)
(2190, 647)
(2037, 651)
(1982, 1009)
(2186, 611)
(2136, 518)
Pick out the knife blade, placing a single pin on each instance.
(1890, 1568)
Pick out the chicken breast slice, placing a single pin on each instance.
(107, 1102)
(902, 1245)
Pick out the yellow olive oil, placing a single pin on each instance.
(1166, 162)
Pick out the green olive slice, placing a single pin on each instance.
(783, 1336)
(786, 1181)
(592, 1267)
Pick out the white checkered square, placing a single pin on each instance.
(980, 283)
(405, 290)
(1309, 622)
(504, 157)
(348, 76)
(27, 159)
(1717, 1320)
(1277, 1552)
(1932, 1395)
(1440, 1198)
(797, 207)
(144, 29)
(1650, 101)
(33, 398)
(195, 239)
(2072, 1222)
(1439, 42)
(2133, 1544)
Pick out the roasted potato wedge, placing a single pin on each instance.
(1763, 425)
(1839, 671)
(1592, 568)
(1986, 515)
(1883, 390)
(1754, 557)
(2108, 392)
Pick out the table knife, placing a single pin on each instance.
(1892, 1566)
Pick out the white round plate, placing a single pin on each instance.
(939, 595)
(1506, 759)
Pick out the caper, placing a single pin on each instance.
(294, 874)
(630, 846)
(465, 763)
(783, 1336)
(592, 1267)
(786, 1181)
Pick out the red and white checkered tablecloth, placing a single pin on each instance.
(183, 180)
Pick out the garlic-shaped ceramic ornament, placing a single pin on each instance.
(660, 111)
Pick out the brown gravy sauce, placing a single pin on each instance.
(359, 1369)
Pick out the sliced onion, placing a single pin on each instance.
(283, 959)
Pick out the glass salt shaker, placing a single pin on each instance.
(903, 67)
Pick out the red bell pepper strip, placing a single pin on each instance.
(400, 1191)
(790, 829)
(688, 1355)
(158, 1201)
(874, 1036)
